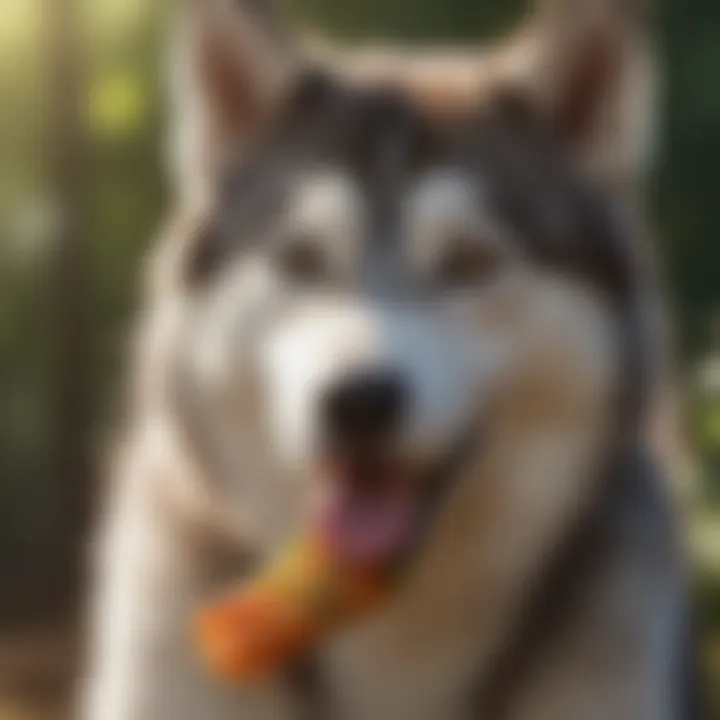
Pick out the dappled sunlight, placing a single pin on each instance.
(117, 20)
(21, 21)
(117, 105)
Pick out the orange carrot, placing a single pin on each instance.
(299, 599)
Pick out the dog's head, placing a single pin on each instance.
(390, 262)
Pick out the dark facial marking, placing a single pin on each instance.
(380, 139)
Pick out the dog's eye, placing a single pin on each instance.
(465, 263)
(302, 260)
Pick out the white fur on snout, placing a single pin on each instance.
(449, 374)
(300, 361)
(445, 369)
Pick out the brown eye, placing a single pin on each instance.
(302, 260)
(466, 264)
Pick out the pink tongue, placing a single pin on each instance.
(366, 528)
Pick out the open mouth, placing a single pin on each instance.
(374, 501)
(370, 515)
(374, 511)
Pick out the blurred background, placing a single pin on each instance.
(81, 193)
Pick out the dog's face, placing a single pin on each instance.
(374, 284)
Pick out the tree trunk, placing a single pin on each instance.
(69, 296)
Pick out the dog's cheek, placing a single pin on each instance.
(565, 351)
(229, 325)
(510, 327)
(485, 347)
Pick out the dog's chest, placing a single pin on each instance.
(365, 678)
(418, 660)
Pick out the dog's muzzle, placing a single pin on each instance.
(374, 505)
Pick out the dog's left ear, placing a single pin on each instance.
(232, 64)
(586, 68)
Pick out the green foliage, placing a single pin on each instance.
(456, 20)
(689, 179)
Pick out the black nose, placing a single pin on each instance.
(365, 407)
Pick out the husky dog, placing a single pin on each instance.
(403, 297)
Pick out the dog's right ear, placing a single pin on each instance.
(231, 66)
(586, 70)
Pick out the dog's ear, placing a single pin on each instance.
(231, 66)
(585, 67)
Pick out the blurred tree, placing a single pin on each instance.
(688, 184)
(70, 291)
(449, 20)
